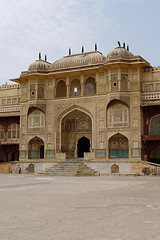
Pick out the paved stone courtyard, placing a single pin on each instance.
(65, 208)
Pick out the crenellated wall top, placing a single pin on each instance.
(9, 86)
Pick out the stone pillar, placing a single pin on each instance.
(119, 78)
(82, 85)
(68, 87)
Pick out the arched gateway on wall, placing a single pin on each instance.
(76, 133)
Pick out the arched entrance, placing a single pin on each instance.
(74, 126)
(83, 146)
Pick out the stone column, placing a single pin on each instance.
(82, 85)
(68, 87)
(119, 78)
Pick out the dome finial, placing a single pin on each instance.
(39, 55)
(69, 51)
(124, 45)
(119, 44)
(46, 58)
(82, 49)
(95, 46)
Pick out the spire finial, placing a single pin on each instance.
(39, 55)
(119, 44)
(95, 46)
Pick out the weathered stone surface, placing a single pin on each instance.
(77, 208)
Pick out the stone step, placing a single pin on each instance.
(69, 169)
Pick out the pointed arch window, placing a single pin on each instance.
(36, 119)
(61, 89)
(90, 86)
(154, 126)
(118, 115)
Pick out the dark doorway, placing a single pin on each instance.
(42, 151)
(13, 157)
(155, 155)
(83, 146)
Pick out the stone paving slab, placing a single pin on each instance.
(79, 208)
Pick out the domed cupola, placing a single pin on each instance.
(120, 52)
(39, 65)
(79, 60)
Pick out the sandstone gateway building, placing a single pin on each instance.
(101, 112)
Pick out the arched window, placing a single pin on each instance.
(75, 89)
(61, 89)
(13, 131)
(40, 91)
(1, 132)
(117, 115)
(154, 127)
(90, 86)
(118, 146)
(36, 119)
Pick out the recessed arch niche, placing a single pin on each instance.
(61, 89)
(90, 86)
(117, 114)
(118, 146)
(36, 118)
(36, 148)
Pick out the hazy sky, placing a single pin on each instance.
(28, 27)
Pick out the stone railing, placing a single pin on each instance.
(7, 86)
(13, 108)
(151, 96)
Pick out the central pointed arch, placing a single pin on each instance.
(62, 115)
(74, 125)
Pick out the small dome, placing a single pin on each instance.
(81, 59)
(39, 65)
(120, 52)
